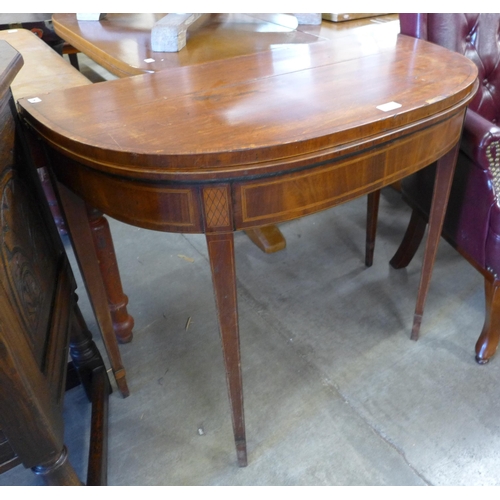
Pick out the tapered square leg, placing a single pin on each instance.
(221, 254)
(442, 186)
(373, 201)
(75, 212)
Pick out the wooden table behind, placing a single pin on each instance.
(122, 42)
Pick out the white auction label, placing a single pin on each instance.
(35, 99)
(389, 106)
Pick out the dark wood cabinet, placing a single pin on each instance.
(39, 316)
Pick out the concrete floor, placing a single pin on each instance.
(335, 392)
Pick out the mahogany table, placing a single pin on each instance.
(121, 43)
(257, 139)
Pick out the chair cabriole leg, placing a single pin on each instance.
(487, 342)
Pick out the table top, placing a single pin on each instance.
(44, 69)
(240, 116)
(122, 42)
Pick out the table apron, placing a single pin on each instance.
(204, 207)
(290, 196)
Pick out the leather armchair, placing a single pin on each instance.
(472, 223)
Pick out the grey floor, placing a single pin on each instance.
(335, 392)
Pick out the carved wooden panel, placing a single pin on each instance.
(28, 262)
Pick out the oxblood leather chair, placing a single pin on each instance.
(472, 223)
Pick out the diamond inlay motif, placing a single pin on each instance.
(216, 206)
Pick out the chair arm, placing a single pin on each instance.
(481, 142)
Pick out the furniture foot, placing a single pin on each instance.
(241, 454)
(411, 241)
(123, 323)
(221, 254)
(487, 342)
(97, 471)
(442, 186)
(417, 321)
(83, 245)
(58, 472)
(371, 226)
(268, 238)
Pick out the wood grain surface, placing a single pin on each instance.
(227, 117)
(122, 42)
(258, 139)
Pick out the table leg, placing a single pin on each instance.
(371, 225)
(75, 212)
(83, 351)
(92, 373)
(58, 471)
(221, 254)
(442, 186)
(44, 177)
(122, 321)
(268, 238)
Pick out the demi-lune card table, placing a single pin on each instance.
(257, 139)
(121, 43)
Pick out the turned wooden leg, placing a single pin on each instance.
(221, 254)
(83, 351)
(122, 321)
(268, 238)
(92, 373)
(58, 472)
(371, 226)
(442, 186)
(83, 245)
(487, 342)
(411, 241)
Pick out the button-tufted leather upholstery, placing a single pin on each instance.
(476, 36)
(472, 223)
